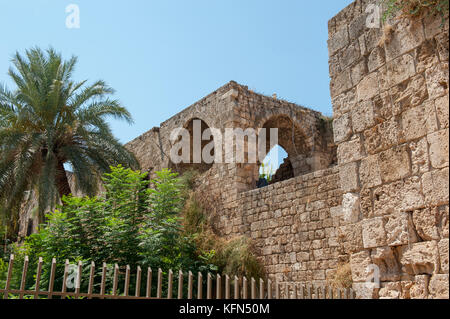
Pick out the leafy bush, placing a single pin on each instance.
(416, 8)
(130, 224)
(156, 224)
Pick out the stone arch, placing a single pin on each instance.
(201, 167)
(279, 167)
(293, 139)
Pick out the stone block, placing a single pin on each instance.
(341, 83)
(359, 263)
(419, 289)
(373, 232)
(407, 35)
(385, 259)
(442, 111)
(411, 93)
(438, 142)
(417, 122)
(363, 116)
(419, 156)
(438, 287)
(433, 26)
(338, 41)
(426, 221)
(390, 290)
(350, 151)
(350, 238)
(336, 212)
(376, 59)
(365, 290)
(444, 219)
(435, 187)
(349, 55)
(437, 80)
(381, 136)
(368, 87)
(443, 246)
(442, 45)
(350, 207)
(342, 128)
(369, 172)
(400, 69)
(400, 230)
(420, 258)
(394, 163)
(359, 71)
(357, 27)
(348, 176)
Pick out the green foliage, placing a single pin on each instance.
(266, 171)
(49, 121)
(130, 224)
(415, 8)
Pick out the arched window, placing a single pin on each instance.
(276, 167)
(289, 157)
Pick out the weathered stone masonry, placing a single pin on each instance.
(389, 88)
(384, 203)
(291, 221)
(293, 227)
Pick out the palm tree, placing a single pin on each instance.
(50, 122)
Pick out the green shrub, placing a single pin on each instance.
(130, 224)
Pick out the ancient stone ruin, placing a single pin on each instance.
(370, 189)
(367, 188)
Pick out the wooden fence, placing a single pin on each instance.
(212, 287)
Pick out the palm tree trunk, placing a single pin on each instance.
(62, 181)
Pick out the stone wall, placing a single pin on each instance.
(293, 225)
(389, 88)
(305, 134)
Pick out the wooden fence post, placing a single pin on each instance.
(116, 279)
(261, 288)
(180, 284)
(9, 275)
(170, 284)
(208, 286)
(149, 283)
(52, 279)
(127, 281)
(218, 287)
(138, 281)
(200, 286)
(91, 280)
(236, 287)
(24, 277)
(103, 282)
(227, 287)
(190, 284)
(38, 278)
(159, 287)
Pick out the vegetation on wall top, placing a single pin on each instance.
(415, 8)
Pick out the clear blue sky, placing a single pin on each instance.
(162, 56)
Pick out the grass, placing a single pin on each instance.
(235, 256)
(343, 277)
